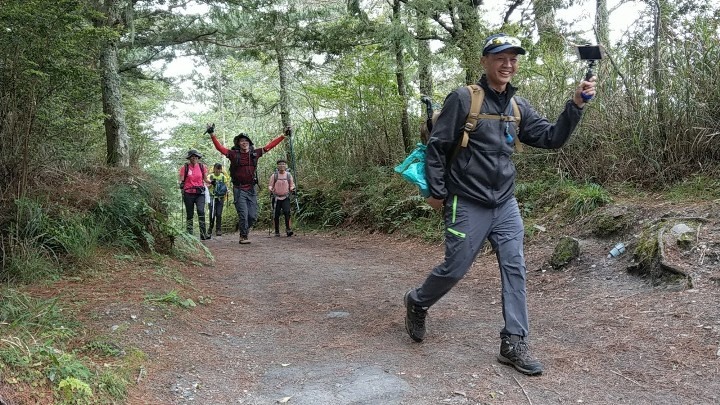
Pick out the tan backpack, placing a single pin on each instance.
(477, 96)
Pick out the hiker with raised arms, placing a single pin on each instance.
(281, 185)
(243, 172)
(193, 178)
(477, 191)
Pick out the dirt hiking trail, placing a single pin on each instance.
(318, 319)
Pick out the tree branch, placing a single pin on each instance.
(513, 6)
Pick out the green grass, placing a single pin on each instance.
(36, 348)
(27, 262)
(699, 188)
(586, 198)
(171, 297)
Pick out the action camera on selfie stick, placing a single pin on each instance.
(592, 54)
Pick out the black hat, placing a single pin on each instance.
(193, 152)
(242, 135)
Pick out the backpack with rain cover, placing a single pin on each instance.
(220, 189)
(413, 167)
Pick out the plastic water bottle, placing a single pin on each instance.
(617, 250)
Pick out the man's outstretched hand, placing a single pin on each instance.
(287, 131)
(210, 129)
(584, 92)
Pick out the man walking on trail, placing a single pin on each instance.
(281, 184)
(477, 192)
(243, 173)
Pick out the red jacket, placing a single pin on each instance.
(243, 165)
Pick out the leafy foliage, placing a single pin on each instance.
(171, 297)
(587, 198)
(47, 50)
(34, 349)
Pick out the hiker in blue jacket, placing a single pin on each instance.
(477, 193)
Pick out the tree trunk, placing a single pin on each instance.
(660, 29)
(550, 37)
(602, 33)
(283, 76)
(424, 55)
(602, 23)
(469, 39)
(400, 77)
(116, 133)
(284, 100)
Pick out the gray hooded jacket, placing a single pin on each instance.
(484, 171)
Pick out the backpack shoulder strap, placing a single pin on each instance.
(516, 114)
(187, 166)
(477, 96)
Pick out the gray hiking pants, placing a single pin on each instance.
(468, 225)
(246, 206)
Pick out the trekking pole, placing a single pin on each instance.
(182, 209)
(272, 215)
(212, 214)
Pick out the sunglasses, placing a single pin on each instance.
(503, 40)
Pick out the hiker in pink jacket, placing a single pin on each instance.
(193, 179)
(281, 184)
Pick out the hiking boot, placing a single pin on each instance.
(277, 234)
(205, 237)
(290, 233)
(244, 240)
(514, 351)
(414, 319)
(218, 233)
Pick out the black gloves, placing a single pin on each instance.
(288, 131)
(210, 129)
(213, 181)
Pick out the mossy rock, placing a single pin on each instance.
(649, 264)
(611, 222)
(566, 250)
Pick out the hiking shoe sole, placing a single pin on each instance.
(504, 360)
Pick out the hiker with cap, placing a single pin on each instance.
(281, 185)
(477, 193)
(243, 172)
(193, 178)
(219, 181)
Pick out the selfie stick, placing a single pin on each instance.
(590, 53)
